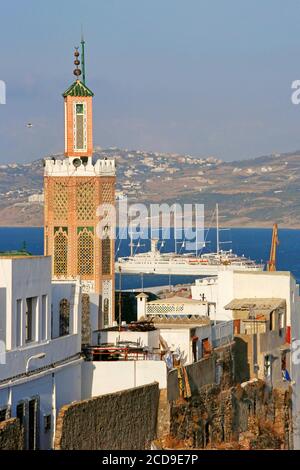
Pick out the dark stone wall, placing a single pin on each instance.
(11, 435)
(125, 420)
(251, 416)
(242, 349)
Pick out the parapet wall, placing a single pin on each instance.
(125, 420)
(65, 167)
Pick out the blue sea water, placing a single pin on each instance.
(252, 242)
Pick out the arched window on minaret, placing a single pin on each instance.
(60, 262)
(85, 255)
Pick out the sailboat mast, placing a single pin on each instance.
(218, 239)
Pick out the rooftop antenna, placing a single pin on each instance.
(82, 56)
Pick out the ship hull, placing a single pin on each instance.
(180, 269)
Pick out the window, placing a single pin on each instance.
(33, 413)
(44, 318)
(64, 317)
(19, 323)
(3, 414)
(20, 412)
(85, 261)
(60, 262)
(47, 423)
(21, 415)
(79, 108)
(80, 127)
(31, 303)
(27, 412)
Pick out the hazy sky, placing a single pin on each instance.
(207, 77)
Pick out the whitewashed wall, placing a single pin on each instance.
(99, 378)
(240, 284)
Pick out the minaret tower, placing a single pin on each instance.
(75, 187)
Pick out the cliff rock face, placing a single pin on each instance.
(248, 417)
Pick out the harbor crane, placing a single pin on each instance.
(271, 264)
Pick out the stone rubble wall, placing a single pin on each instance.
(251, 416)
(11, 435)
(124, 420)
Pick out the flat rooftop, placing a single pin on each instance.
(256, 305)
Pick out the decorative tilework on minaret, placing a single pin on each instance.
(74, 188)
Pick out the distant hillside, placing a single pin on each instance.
(253, 192)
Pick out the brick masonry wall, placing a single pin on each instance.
(125, 420)
(11, 435)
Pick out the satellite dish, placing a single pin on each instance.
(77, 162)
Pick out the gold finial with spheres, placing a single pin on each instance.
(77, 71)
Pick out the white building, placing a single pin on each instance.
(229, 285)
(173, 307)
(185, 325)
(40, 344)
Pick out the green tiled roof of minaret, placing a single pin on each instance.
(78, 89)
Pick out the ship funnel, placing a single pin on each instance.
(154, 246)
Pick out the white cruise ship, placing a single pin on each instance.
(154, 262)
